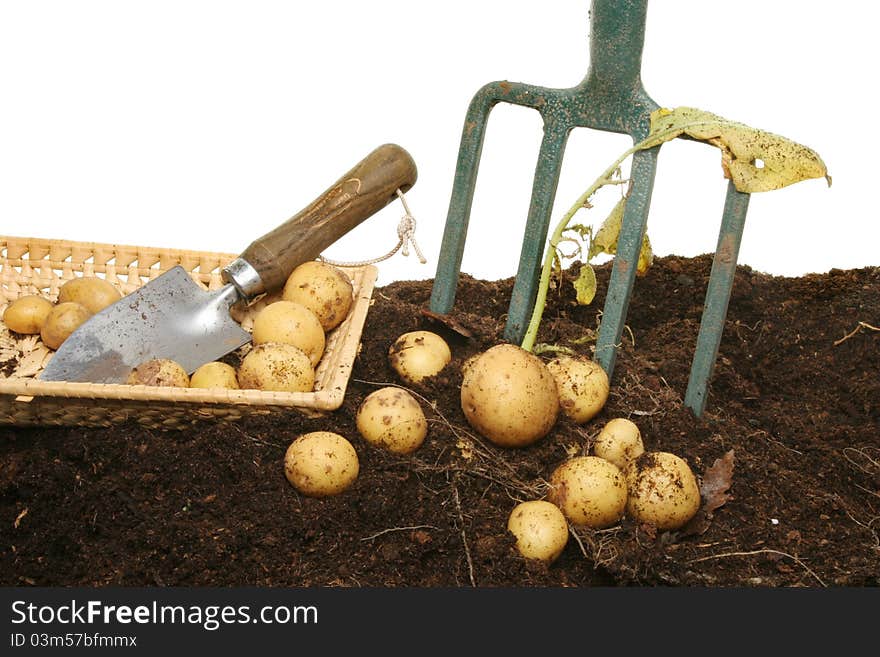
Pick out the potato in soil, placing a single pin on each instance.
(662, 490)
(392, 419)
(540, 529)
(92, 292)
(27, 314)
(161, 372)
(583, 386)
(321, 463)
(619, 441)
(276, 366)
(418, 355)
(62, 320)
(509, 396)
(589, 491)
(323, 289)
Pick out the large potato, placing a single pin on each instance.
(27, 314)
(62, 320)
(619, 441)
(509, 396)
(663, 490)
(92, 292)
(590, 491)
(276, 366)
(323, 289)
(540, 529)
(159, 372)
(290, 323)
(583, 386)
(392, 419)
(418, 355)
(321, 463)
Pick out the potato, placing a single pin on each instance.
(323, 289)
(509, 396)
(619, 441)
(418, 355)
(582, 384)
(392, 419)
(291, 323)
(62, 320)
(540, 529)
(590, 491)
(27, 314)
(276, 366)
(321, 463)
(92, 292)
(214, 375)
(662, 490)
(159, 372)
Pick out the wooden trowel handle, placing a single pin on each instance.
(367, 188)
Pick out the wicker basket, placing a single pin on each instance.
(39, 266)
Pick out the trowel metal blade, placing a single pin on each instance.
(169, 317)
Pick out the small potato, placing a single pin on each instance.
(583, 386)
(291, 323)
(214, 375)
(92, 292)
(27, 314)
(540, 529)
(321, 463)
(663, 490)
(509, 396)
(159, 372)
(619, 441)
(392, 419)
(418, 355)
(323, 289)
(62, 320)
(590, 491)
(276, 366)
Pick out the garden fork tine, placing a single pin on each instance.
(610, 98)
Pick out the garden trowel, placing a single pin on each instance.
(173, 317)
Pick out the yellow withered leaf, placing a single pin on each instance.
(605, 240)
(754, 160)
(585, 286)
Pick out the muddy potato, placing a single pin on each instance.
(392, 419)
(159, 372)
(663, 490)
(27, 314)
(321, 463)
(418, 355)
(291, 323)
(92, 292)
(619, 441)
(540, 529)
(509, 396)
(590, 491)
(62, 320)
(323, 289)
(276, 366)
(582, 384)
(214, 375)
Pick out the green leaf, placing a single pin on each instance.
(755, 160)
(585, 285)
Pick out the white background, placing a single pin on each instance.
(202, 125)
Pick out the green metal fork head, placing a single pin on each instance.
(611, 98)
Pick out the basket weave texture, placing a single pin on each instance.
(40, 266)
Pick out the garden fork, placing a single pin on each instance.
(610, 98)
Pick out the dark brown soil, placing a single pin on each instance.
(797, 403)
